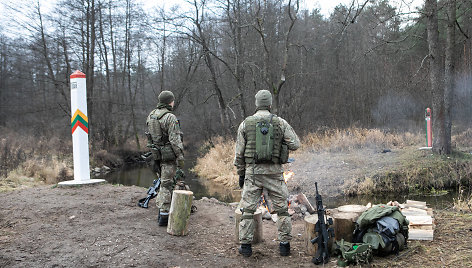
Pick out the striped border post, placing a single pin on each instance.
(429, 134)
(79, 125)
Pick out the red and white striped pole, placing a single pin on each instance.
(80, 126)
(429, 129)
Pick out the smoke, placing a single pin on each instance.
(397, 111)
(461, 103)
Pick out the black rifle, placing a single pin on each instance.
(324, 233)
(151, 193)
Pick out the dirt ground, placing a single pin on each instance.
(332, 169)
(101, 226)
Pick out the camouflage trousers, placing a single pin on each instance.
(164, 197)
(278, 194)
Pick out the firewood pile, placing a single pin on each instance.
(299, 207)
(421, 226)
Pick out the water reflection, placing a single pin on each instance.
(143, 176)
(436, 202)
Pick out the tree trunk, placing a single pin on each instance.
(435, 75)
(449, 74)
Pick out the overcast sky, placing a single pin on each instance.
(325, 6)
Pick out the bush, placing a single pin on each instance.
(217, 163)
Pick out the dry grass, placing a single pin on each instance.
(463, 139)
(217, 163)
(339, 140)
(463, 202)
(27, 160)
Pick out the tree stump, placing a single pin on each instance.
(344, 224)
(257, 221)
(179, 213)
(358, 209)
(309, 234)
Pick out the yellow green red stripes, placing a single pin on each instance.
(79, 119)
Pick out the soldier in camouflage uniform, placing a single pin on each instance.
(254, 176)
(169, 153)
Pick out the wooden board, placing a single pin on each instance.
(303, 200)
(418, 234)
(420, 220)
(412, 211)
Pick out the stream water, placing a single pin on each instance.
(143, 176)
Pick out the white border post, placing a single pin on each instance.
(80, 127)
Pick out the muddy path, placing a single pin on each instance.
(101, 226)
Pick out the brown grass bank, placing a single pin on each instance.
(28, 160)
(413, 170)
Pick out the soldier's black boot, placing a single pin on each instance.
(284, 248)
(245, 250)
(163, 218)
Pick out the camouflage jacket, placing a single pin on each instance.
(169, 125)
(289, 136)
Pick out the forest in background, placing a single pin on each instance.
(365, 65)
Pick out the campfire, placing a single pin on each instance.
(265, 204)
(288, 175)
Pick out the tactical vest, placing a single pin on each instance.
(163, 149)
(263, 140)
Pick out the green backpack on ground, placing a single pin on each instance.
(383, 227)
(353, 253)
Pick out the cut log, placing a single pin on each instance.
(309, 234)
(344, 225)
(303, 200)
(179, 213)
(257, 221)
(358, 209)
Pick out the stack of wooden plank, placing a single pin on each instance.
(421, 220)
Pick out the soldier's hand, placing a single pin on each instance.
(179, 174)
(156, 167)
(241, 181)
(180, 163)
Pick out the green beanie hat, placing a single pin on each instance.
(166, 97)
(263, 98)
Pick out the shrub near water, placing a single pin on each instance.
(217, 163)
